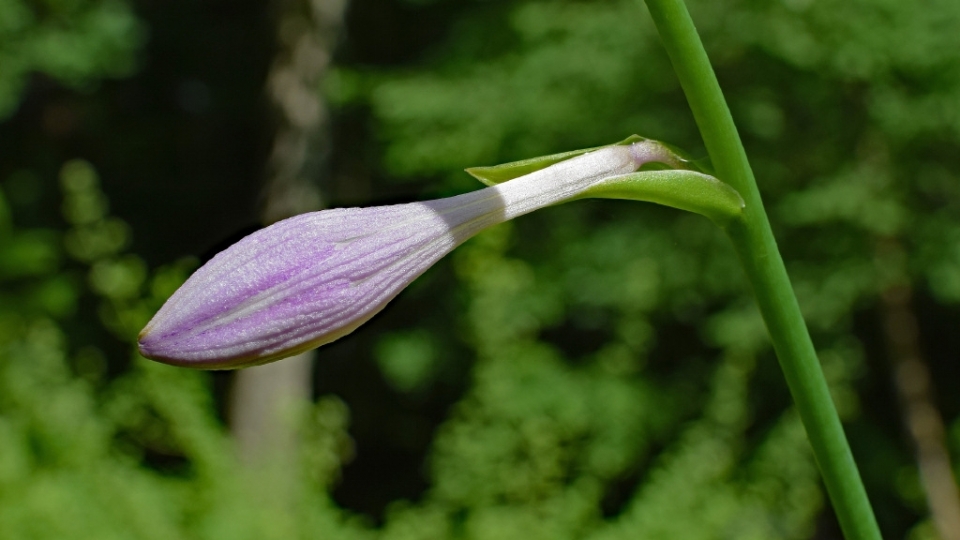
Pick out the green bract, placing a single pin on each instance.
(685, 190)
(677, 186)
(497, 174)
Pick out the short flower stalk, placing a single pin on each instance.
(753, 239)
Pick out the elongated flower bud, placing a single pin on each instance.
(314, 278)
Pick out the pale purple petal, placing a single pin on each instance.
(292, 286)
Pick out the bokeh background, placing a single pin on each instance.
(592, 371)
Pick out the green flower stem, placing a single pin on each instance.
(755, 244)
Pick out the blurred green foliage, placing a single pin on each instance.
(835, 101)
(612, 378)
(75, 42)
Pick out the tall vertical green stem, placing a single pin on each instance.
(755, 244)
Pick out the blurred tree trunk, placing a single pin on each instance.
(911, 379)
(265, 399)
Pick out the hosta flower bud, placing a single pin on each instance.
(314, 278)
